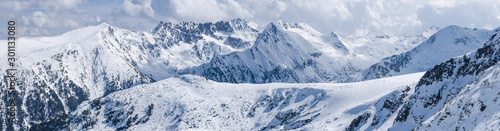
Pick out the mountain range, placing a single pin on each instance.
(229, 75)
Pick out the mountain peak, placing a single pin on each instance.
(286, 25)
(448, 42)
(299, 28)
(429, 32)
(497, 29)
(332, 35)
(104, 24)
(225, 26)
(453, 27)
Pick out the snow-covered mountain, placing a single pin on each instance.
(475, 107)
(103, 77)
(444, 44)
(376, 46)
(285, 52)
(188, 44)
(444, 93)
(191, 102)
(58, 73)
(454, 95)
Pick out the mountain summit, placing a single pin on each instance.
(284, 52)
(446, 43)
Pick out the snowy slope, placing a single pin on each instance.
(446, 87)
(285, 52)
(446, 43)
(476, 106)
(191, 102)
(58, 73)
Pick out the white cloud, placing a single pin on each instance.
(67, 4)
(136, 9)
(39, 18)
(11, 5)
(209, 10)
(53, 5)
(326, 8)
(444, 3)
(397, 17)
(199, 9)
(71, 24)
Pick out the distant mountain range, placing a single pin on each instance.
(446, 43)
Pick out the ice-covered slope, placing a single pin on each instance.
(444, 92)
(192, 102)
(285, 52)
(446, 43)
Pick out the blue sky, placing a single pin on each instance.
(346, 17)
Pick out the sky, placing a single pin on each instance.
(344, 17)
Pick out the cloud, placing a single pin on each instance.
(143, 6)
(42, 17)
(11, 5)
(39, 18)
(360, 17)
(67, 4)
(445, 3)
(71, 24)
(208, 10)
(53, 5)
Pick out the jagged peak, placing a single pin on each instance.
(452, 28)
(272, 28)
(296, 26)
(228, 26)
(287, 25)
(332, 35)
(493, 39)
